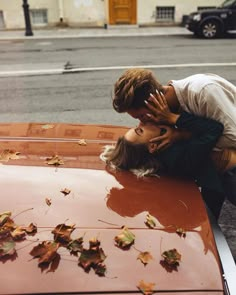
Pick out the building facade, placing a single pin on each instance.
(99, 13)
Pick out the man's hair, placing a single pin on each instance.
(132, 88)
(127, 155)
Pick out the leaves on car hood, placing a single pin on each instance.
(7, 155)
(125, 239)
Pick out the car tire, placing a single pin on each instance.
(211, 29)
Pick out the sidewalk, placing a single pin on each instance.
(111, 31)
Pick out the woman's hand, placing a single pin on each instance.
(160, 110)
(171, 136)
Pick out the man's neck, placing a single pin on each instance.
(171, 98)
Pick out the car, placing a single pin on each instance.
(213, 23)
(71, 225)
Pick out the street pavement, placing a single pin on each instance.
(111, 31)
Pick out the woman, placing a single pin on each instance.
(186, 158)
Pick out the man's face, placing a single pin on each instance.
(140, 114)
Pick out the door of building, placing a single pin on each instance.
(122, 12)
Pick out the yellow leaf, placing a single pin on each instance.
(82, 142)
(145, 257)
(146, 288)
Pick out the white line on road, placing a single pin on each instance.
(93, 69)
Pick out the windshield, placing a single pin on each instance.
(227, 3)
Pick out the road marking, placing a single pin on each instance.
(94, 69)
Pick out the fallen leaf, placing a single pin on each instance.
(93, 258)
(65, 191)
(55, 161)
(181, 232)
(75, 246)
(4, 217)
(145, 257)
(7, 155)
(7, 247)
(30, 229)
(48, 201)
(47, 126)
(45, 251)
(171, 257)
(150, 221)
(82, 142)
(18, 233)
(125, 239)
(62, 233)
(146, 288)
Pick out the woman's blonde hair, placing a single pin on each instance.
(135, 157)
(132, 88)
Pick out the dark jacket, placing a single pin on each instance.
(191, 158)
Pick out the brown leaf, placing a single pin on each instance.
(7, 155)
(171, 257)
(75, 246)
(45, 251)
(18, 233)
(48, 201)
(93, 258)
(55, 161)
(145, 257)
(62, 233)
(4, 217)
(30, 229)
(82, 142)
(150, 221)
(181, 232)
(47, 126)
(125, 239)
(146, 288)
(7, 247)
(65, 191)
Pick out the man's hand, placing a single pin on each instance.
(160, 112)
(171, 136)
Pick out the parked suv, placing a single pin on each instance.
(213, 23)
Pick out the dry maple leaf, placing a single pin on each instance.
(75, 246)
(4, 217)
(171, 257)
(45, 251)
(82, 142)
(7, 247)
(30, 229)
(55, 161)
(125, 239)
(181, 232)
(65, 191)
(18, 233)
(48, 201)
(150, 221)
(146, 288)
(47, 126)
(93, 258)
(145, 257)
(62, 233)
(7, 155)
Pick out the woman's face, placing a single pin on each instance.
(142, 133)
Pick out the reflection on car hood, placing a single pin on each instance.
(100, 202)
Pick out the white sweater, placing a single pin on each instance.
(210, 96)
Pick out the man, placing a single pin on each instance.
(206, 95)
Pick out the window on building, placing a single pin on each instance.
(39, 16)
(200, 8)
(1, 20)
(165, 13)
